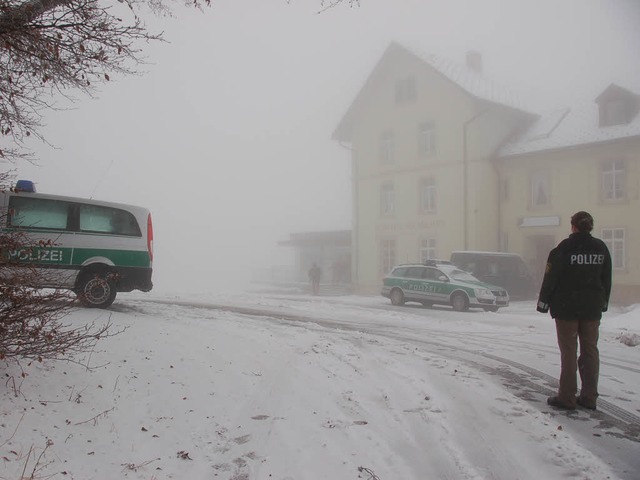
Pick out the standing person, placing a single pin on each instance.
(576, 288)
(315, 274)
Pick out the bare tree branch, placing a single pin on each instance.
(48, 47)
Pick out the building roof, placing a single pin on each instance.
(569, 127)
(556, 129)
(473, 82)
(465, 77)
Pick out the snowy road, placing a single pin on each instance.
(506, 355)
(292, 387)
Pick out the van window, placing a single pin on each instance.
(94, 218)
(38, 213)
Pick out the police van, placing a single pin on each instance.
(91, 247)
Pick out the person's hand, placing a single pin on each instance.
(542, 307)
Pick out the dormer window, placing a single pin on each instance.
(613, 112)
(617, 106)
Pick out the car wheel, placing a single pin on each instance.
(96, 289)
(490, 309)
(460, 302)
(397, 297)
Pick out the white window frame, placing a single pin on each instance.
(387, 147)
(387, 199)
(615, 239)
(428, 195)
(428, 249)
(540, 185)
(426, 139)
(387, 255)
(613, 180)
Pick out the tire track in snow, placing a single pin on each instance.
(535, 380)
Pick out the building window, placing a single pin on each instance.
(613, 180)
(387, 199)
(504, 242)
(426, 139)
(387, 147)
(427, 249)
(387, 255)
(614, 238)
(428, 195)
(405, 89)
(504, 190)
(540, 190)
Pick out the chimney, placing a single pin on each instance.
(474, 61)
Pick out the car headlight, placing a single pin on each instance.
(483, 292)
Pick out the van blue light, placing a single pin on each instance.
(25, 186)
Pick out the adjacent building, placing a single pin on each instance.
(444, 159)
(330, 250)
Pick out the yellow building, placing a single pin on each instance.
(444, 159)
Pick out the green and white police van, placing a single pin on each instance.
(91, 247)
(444, 284)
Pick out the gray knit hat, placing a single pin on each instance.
(583, 221)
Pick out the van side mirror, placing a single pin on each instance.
(443, 278)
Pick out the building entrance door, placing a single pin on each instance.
(538, 248)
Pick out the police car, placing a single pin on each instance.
(438, 283)
(94, 248)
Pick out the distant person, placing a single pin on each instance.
(576, 288)
(315, 274)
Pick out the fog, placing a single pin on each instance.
(226, 134)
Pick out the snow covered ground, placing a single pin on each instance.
(258, 386)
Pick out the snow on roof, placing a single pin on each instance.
(568, 127)
(558, 128)
(465, 77)
(474, 82)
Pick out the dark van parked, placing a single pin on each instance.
(506, 270)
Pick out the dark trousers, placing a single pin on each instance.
(570, 333)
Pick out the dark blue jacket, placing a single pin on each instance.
(577, 279)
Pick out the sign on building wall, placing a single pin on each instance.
(553, 221)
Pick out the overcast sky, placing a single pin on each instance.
(226, 136)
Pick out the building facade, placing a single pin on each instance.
(443, 159)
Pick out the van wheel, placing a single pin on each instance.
(397, 297)
(460, 302)
(96, 289)
(490, 309)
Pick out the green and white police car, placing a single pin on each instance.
(445, 284)
(94, 248)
